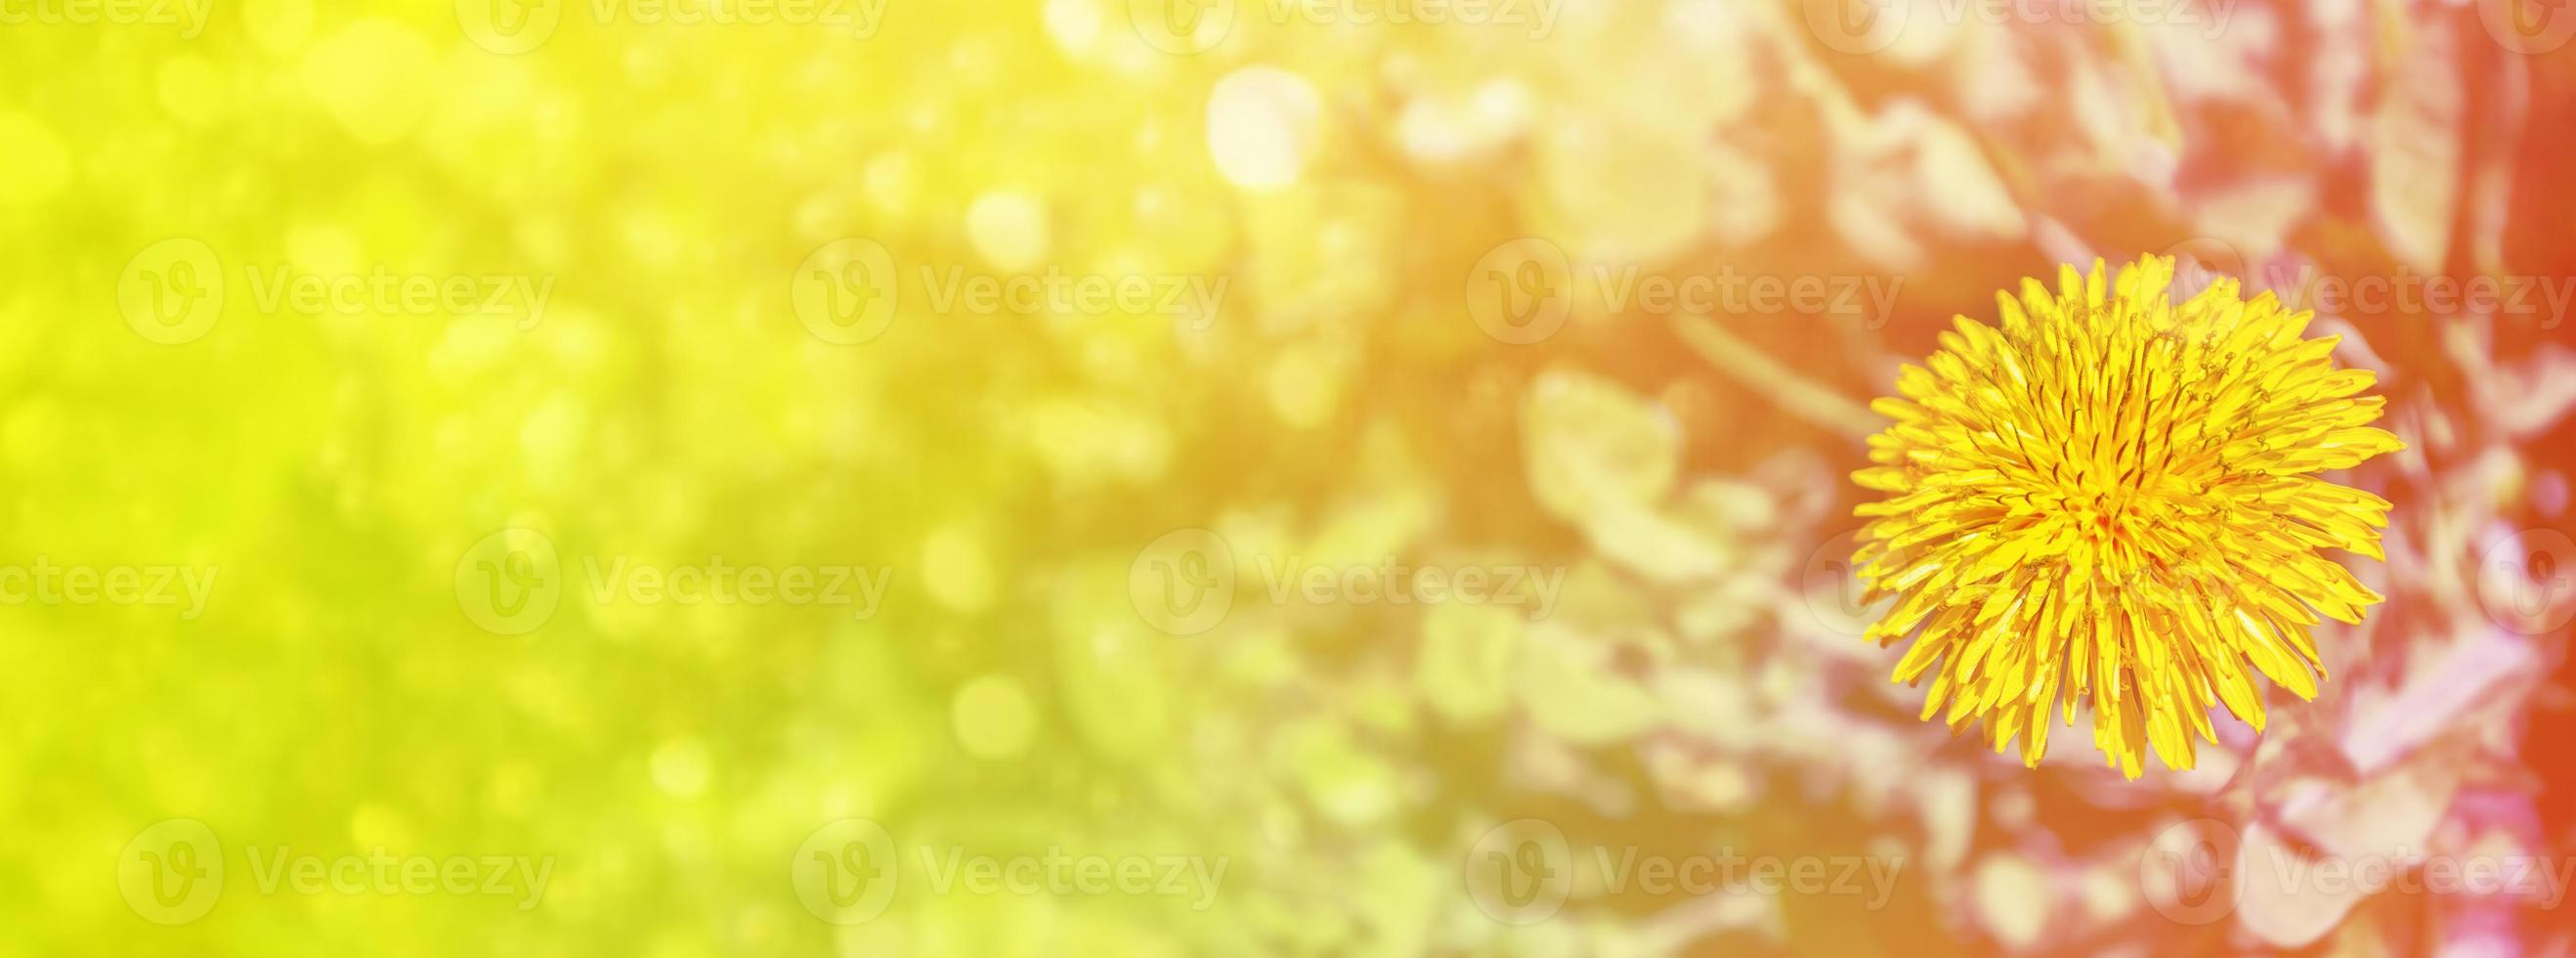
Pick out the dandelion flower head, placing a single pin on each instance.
(2114, 497)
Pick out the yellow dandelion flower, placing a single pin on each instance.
(2117, 494)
